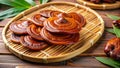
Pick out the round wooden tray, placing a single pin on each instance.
(103, 6)
(89, 34)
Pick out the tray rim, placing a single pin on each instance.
(96, 6)
(43, 5)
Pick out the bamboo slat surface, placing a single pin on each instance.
(8, 60)
(89, 34)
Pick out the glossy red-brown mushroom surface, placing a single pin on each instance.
(61, 39)
(112, 48)
(15, 38)
(32, 44)
(20, 26)
(34, 31)
(62, 25)
(38, 19)
(49, 13)
(78, 17)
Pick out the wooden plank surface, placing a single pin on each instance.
(74, 62)
(85, 60)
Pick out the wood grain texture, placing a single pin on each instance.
(74, 62)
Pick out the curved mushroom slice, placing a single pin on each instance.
(20, 27)
(61, 39)
(38, 19)
(62, 24)
(32, 44)
(78, 17)
(15, 38)
(49, 13)
(34, 31)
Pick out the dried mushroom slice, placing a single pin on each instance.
(15, 38)
(32, 44)
(78, 17)
(20, 26)
(61, 39)
(34, 31)
(49, 13)
(38, 19)
(62, 25)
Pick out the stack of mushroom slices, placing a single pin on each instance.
(47, 28)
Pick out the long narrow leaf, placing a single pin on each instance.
(110, 30)
(10, 11)
(11, 15)
(9, 3)
(109, 61)
(22, 3)
(117, 31)
(113, 17)
(43, 1)
(31, 2)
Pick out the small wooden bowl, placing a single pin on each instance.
(89, 34)
(102, 6)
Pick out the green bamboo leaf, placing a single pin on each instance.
(22, 3)
(10, 11)
(31, 2)
(43, 1)
(18, 3)
(117, 31)
(110, 30)
(113, 17)
(9, 3)
(11, 15)
(109, 61)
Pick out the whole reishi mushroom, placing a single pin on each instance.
(112, 48)
(116, 23)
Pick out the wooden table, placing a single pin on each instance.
(86, 59)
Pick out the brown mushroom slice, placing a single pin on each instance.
(34, 31)
(49, 13)
(15, 38)
(62, 25)
(32, 44)
(60, 39)
(20, 26)
(112, 48)
(96, 1)
(38, 19)
(78, 17)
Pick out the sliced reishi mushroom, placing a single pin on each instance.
(34, 31)
(62, 24)
(15, 38)
(62, 39)
(20, 26)
(32, 44)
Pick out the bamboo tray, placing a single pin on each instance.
(89, 34)
(103, 6)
